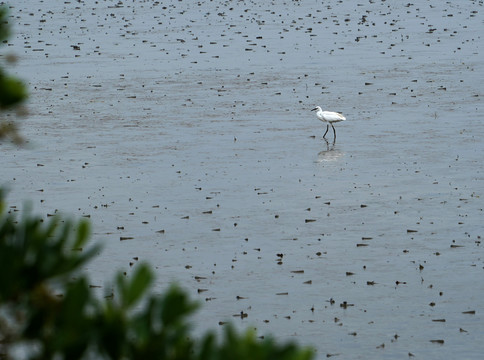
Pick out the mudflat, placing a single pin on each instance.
(184, 131)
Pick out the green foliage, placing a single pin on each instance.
(12, 91)
(4, 28)
(46, 300)
(246, 346)
(35, 253)
(37, 263)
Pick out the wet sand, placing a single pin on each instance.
(184, 132)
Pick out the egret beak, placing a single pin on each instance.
(314, 109)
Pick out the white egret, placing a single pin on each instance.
(328, 117)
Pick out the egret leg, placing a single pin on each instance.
(334, 131)
(327, 128)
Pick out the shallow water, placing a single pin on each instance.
(188, 129)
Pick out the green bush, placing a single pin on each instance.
(12, 91)
(47, 306)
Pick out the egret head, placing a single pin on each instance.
(316, 108)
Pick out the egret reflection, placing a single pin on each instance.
(330, 153)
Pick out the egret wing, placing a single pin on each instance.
(333, 116)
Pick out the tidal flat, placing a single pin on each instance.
(183, 131)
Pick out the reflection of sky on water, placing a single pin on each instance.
(330, 153)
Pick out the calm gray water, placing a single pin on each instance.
(186, 127)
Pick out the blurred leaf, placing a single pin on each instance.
(175, 307)
(74, 325)
(12, 91)
(4, 28)
(82, 234)
(110, 328)
(136, 288)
